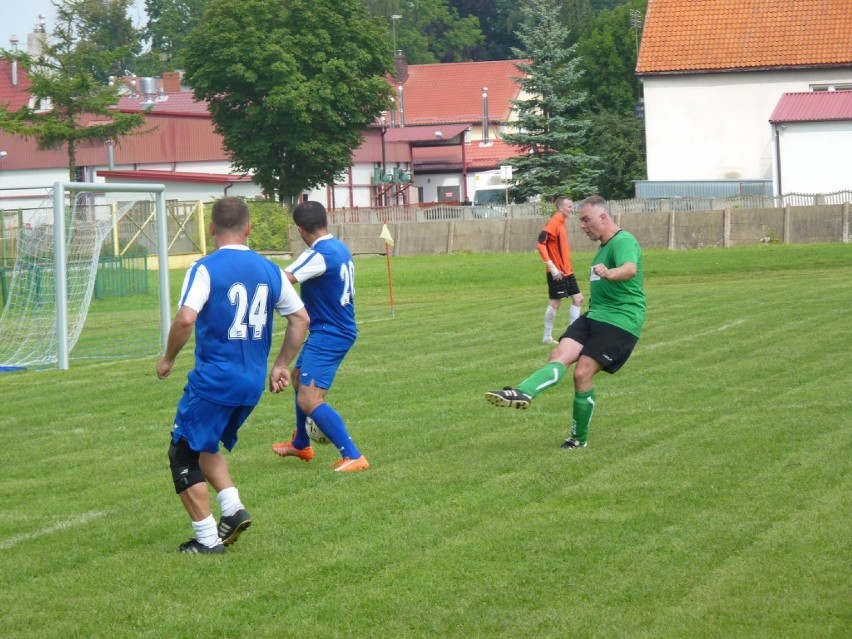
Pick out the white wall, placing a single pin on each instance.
(715, 126)
(815, 157)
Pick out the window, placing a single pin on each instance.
(831, 87)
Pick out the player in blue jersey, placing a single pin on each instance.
(327, 277)
(228, 297)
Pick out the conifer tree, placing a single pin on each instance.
(72, 103)
(551, 130)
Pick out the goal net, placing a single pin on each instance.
(66, 255)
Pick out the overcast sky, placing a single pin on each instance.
(19, 17)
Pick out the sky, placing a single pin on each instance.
(20, 17)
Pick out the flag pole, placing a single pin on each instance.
(386, 236)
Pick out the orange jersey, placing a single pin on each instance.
(553, 244)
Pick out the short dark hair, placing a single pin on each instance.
(311, 216)
(230, 214)
(596, 200)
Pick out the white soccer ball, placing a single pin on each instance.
(314, 432)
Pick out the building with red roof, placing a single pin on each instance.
(715, 71)
(443, 133)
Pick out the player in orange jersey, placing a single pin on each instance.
(556, 254)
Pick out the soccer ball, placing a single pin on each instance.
(314, 432)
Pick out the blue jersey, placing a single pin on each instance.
(235, 292)
(327, 277)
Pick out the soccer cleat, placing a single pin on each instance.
(573, 442)
(231, 527)
(195, 547)
(509, 398)
(549, 341)
(286, 449)
(348, 465)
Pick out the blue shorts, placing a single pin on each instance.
(320, 358)
(203, 424)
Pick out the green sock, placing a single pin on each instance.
(548, 375)
(584, 406)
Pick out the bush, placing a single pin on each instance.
(270, 225)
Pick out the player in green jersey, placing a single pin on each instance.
(604, 337)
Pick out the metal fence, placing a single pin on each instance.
(442, 212)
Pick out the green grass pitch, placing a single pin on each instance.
(713, 500)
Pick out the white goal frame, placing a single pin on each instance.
(59, 190)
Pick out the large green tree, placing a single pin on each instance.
(72, 103)
(609, 49)
(498, 21)
(429, 31)
(169, 24)
(551, 123)
(291, 85)
(617, 139)
(101, 30)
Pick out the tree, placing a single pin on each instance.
(429, 30)
(169, 24)
(618, 140)
(498, 21)
(291, 85)
(608, 50)
(551, 125)
(101, 28)
(71, 105)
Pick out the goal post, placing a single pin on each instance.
(61, 262)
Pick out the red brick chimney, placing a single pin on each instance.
(171, 82)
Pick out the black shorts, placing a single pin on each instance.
(608, 345)
(560, 289)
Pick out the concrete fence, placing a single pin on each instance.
(669, 230)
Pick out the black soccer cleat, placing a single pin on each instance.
(195, 547)
(509, 398)
(573, 442)
(231, 527)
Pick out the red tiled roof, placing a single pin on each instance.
(13, 97)
(182, 103)
(724, 35)
(443, 158)
(814, 106)
(452, 92)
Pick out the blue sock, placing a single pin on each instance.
(331, 423)
(300, 437)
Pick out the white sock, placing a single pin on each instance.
(549, 318)
(229, 501)
(205, 531)
(574, 312)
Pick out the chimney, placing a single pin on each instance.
(401, 64)
(171, 82)
(401, 106)
(14, 42)
(485, 141)
(149, 91)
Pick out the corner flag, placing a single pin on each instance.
(388, 238)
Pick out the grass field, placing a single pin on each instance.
(713, 499)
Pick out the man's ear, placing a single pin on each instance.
(212, 229)
(248, 229)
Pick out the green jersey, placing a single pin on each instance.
(621, 304)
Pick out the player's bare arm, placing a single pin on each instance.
(179, 334)
(294, 337)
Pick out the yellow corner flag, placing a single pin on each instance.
(386, 236)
